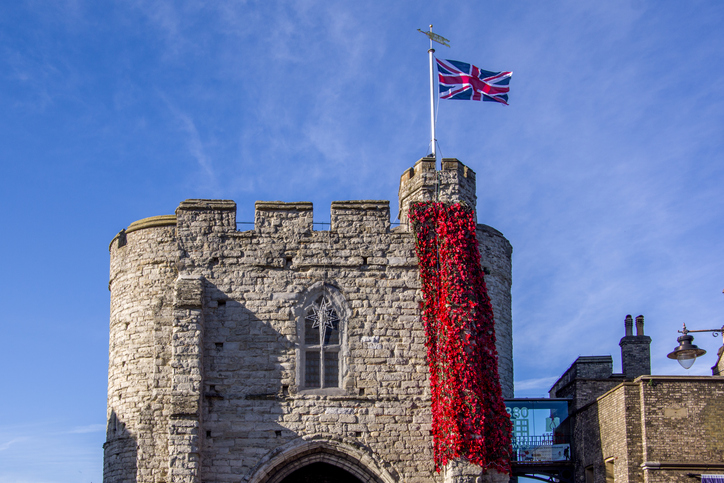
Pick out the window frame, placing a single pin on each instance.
(317, 292)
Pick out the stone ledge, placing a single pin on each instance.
(151, 222)
(705, 379)
(681, 465)
(361, 205)
(199, 204)
(283, 206)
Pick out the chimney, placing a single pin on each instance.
(635, 349)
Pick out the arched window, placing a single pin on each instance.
(322, 345)
(322, 315)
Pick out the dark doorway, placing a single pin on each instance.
(321, 473)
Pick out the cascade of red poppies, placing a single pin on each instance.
(469, 420)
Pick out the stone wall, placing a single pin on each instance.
(619, 416)
(206, 372)
(682, 420)
(142, 276)
(586, 379)
(496, 258)
(656, 429)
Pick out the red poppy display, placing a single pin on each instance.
(469, 420)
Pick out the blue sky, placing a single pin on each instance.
(605, 172)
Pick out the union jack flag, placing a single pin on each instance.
(458, 80)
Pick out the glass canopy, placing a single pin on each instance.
(541, 429)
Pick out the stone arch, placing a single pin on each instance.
(286, 460)
(323, 288)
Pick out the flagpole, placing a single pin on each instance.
(440, 40)
(431, 51)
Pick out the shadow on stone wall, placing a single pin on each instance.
(588, 450)
(253, 420)
(243, 390)
(119, 453)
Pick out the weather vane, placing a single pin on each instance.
(440, 40)
(435, 37)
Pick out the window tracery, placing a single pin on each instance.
(321, 345)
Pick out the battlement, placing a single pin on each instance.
(455, 182)
(278, 217)
(270, 217)
(150, 222)
(364, 216)
(281, 217)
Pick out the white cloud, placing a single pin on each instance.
(537, 384)
(5, 445)
(195, 147)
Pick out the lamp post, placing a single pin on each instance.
(687, 352)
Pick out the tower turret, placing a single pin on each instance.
(454, 183)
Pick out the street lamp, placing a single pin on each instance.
(687, 352)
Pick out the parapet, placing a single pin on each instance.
(365, 216)
(455, 182)
(585, 367)
(150, 222)
(278, 216)
(206, 216)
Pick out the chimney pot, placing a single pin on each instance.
(640, 325)
(629, 325)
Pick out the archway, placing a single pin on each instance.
(321, 473)
(321, 462)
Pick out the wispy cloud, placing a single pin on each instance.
(535, 385)
(195, 147)
(49, 451)
(7, 444)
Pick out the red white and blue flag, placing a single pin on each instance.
(459, 80)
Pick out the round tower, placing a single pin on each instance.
(456, 183)
(143, 271)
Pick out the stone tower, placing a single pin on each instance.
(259, 355)
(456, 183)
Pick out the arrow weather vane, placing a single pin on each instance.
(440, 40)
(435, 37)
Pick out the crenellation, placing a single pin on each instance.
(280, 217)
(358, 217)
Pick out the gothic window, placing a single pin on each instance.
(321, 345)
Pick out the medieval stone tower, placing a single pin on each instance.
(281, 353)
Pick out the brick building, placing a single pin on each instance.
(282, 353)
(638, 428)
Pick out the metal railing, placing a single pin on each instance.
(540, 448)
(327, 225)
